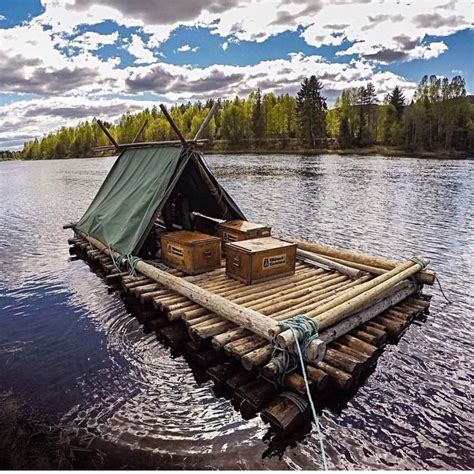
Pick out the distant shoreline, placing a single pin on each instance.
(367, 151)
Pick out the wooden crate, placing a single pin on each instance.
(191, 252)
(238, 230)
(252, 261)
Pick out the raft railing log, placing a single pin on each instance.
(368, 263)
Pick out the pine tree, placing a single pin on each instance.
(258, 126)
(311, 110)
(397, 99)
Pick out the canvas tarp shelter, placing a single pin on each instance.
(137, 187)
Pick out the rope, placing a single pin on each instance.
(305, 330)
(132, 264)
(116, 261)
(420, 261)
(423, 263)
(442, 291)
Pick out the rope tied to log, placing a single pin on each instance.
(129, 260)
(423, 262)
(305, 330)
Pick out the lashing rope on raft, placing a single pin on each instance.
(305, 330)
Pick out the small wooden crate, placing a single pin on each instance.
(191, 252)
(238, 230)
(256, 260)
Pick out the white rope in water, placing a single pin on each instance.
(311, 404)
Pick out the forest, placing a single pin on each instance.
(439, 117)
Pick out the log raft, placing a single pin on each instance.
(360, 303)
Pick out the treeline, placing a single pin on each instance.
(7, 155)
(440, 116)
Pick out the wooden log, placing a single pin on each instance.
(256, 393)
(140, 131)
(221, 340)
(363, 359)
(125, 146)
(295, 382)
(173, 125)
(315, 302)
(257, 357)
(381, 336)
(239, 351)
(345, 270)
(364, 336)
(108, 134)
(395, 295)
(318, 377)
(221, 372)
(343, 362)
(229, 347)
(240, 378)
(209, 331)
(339, 378)
(206, 121)
(282, 413)
(139, 290)
(425, 276)
(115, 276)
(350, 302)
(359, 345)
(394, 329)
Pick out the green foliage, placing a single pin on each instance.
(439, 117)
(311, 111)
(8, 155)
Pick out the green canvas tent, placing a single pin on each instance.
(137, 188)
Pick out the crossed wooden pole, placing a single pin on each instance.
(197, 140)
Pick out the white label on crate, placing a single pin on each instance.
(173, 250)
(227, 237)
(272, 262)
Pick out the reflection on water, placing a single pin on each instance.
(72, 353)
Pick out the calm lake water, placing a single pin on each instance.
(73, 359)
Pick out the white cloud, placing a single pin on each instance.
(225, 46)
(30, 119)
(90, 41)
(136, 47)
(186, 48)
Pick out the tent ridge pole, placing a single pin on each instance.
(173, 125)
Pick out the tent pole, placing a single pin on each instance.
(173, 125)
(108, 134)
(204, 124)
(140, 131)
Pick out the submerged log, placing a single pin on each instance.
(282, 413)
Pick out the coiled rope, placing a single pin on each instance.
(305, 330)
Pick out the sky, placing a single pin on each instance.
(66, 61)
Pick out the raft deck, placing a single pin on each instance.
(237, 357)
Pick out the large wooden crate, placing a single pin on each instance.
(256, 260)
(238, 230)
(191, 252)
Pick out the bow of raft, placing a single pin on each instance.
(201, 313)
